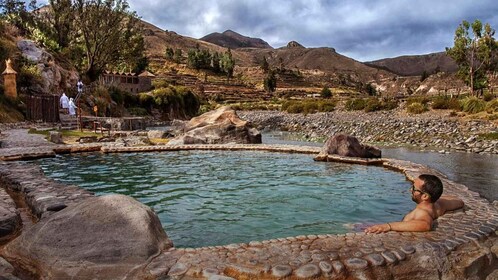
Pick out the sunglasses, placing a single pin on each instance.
(413, 189)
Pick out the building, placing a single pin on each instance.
(130, 82)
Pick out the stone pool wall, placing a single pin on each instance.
(462, 245)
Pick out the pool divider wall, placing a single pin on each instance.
(352, 255)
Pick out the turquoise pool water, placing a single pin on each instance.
(221, 197)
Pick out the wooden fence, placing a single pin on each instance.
(42, 108)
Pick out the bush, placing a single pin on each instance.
(160, 83)
(473, 105)
(421, 99)
(492, 106)
(356, 104)
(446, 102)
(326, 93)
(117, 95)
(172, 101)
(137, 111)
(416, 108)
(372, 105)
(488, 96)
(309, 106)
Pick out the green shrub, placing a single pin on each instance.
(326, 105)
(416, 108)
(160, 83)
(373, 104)
(389, 105)
(421, 99)
(326, 93)
(308, 106)
(178, 101)
(488, 96)
(356, 104)
(137, 111)
(473, 105)
(446, 102)
(117, 95)
(492, 106)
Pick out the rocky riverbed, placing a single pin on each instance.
(433, 131)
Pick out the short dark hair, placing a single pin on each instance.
(432, 185)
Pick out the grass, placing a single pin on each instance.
(489, 136)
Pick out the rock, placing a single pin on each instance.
(157, 134)
(220, 126)
(87, 139)
(308, 271)
(108, 237)
(55, 137)
(281, 271)
(348, 146)
(54, 77)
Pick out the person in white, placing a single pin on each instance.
(79, 85)
(72, 107)
(64, 102)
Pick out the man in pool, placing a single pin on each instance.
(426, 192)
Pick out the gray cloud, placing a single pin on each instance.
(363, 30)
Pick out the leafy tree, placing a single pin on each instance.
(110, 34)
(325, 93)
(17, 12)
(178, 56)
(424, 76)
(227, 64)
(199, 59)
(215, 62)
(61, 18)
(473, 52)
(270, 82)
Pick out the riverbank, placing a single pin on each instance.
(436, 131)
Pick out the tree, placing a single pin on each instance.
(110, 34)
(215, 62)
(325, 93)
(270, 82)
(473, 52)
(227, 64)
(169, 53)
(370, 90)
(16, 12)
(178, 56)
(265, 66)
(424, 76)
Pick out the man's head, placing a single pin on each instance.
(426, 188)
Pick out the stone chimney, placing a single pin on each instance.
(9, 80)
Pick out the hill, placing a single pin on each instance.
(415, 65)
(234, 40)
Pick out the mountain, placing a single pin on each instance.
(234, 40)
(415, 65)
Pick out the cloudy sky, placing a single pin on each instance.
(362, 29)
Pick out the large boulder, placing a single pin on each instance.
(107, 237)
(54, 78)
(220, 126)
(348, 146)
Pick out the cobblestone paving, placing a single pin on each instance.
(302, 257)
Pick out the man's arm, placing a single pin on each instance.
(449, 203)
(421, 221)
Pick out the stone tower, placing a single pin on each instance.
(9, 80)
